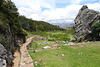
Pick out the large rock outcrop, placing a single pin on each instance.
(83, 23)
(3, 56)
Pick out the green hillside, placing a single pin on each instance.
(33, 25)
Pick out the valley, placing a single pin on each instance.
(40, 34)
(60, 53)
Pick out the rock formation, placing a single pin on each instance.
(83, 23)
(3, 56)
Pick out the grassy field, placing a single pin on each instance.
(57, 35)
(79, 55)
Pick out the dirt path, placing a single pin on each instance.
(16, 59)
(23, 60)
(26, 60)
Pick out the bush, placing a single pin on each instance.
(51, 39)
(96, 30)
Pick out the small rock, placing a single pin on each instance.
(44, 63)
(66, 41)
(39, 59)
(57, 41)
(65, 44)
(71, 43)
(62, 54)
(47, 47)
(36, 51)
(59, 47)
(45, 43)
(36, 62)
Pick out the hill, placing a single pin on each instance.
(13, 29)
(33, 25)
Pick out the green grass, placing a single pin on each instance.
(37, 46)
(57, 35)
(79, 55)
(70, 32)
(84, 55)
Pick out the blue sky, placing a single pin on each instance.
(54, 11)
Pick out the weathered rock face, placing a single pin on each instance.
(3, 56)
(8, 43)
(83, 23)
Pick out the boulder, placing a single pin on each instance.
(47, 47)
(63, 42)
(3, 56)
(83, 23)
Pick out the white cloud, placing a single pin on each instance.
(33, 9)
(95, 6)
(76, 1)
(62, 13)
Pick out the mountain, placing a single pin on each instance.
(64, 25)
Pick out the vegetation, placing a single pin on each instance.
(14, 26)
(32, 25)
(57, 35)
(54, 36)
(96, 30)
(83, 55)
(10, 27)
(78, 55)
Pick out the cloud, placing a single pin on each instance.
(94, 6)
(66, 14)
(47, 10)
(76, 1)
(62, 13)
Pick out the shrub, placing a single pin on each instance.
(96, 30)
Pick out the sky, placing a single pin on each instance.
(54, 11)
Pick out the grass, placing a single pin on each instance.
(57, 35)
(83, 55)
(36, 46)
(79, 55)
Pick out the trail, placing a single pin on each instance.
(23, 59)
(16, 59)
